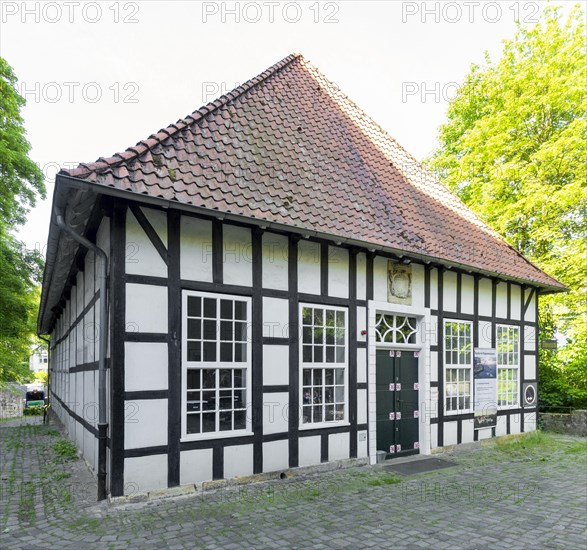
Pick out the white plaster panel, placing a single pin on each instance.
(80, 293)
(90, 335)
(501, 427)
(238, 255)
(195, 466)
(530, 367)
(485, 434)
(501, 300)
(516, 300)
(361, 406)
(141, 256)
(146, 423)
(275, 365)
(418, 285)
(309, 267)
(238, 461)
(450, 433)
(529, 337)
(433, 436)
(275, 257)
(361, 365)
(484, 334)
(275, 412)
(530, 315)
(145, 366)
(361, 276)
(449, 287)
(434, 366)
(196, 249)
(467, 294)
(145, 473)
(89, 445)
(338, 446)
(380, 279)
(158, 219)
(429, 330)
(103, 239)
(361, 323)
(89, 290)
(309, 450)
(529, 422)
(276, 455)
(146, 308)
(485, 296)
(515, 424)
(338, 272)
(468, 435)
(362, 444)
(79, 344)
(434, 288)
(90, 403)
(434, 395)
(275, 317)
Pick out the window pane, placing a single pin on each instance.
(209, 351)
(330, 336)
(339, 377)
(209, 400)
(194, 351)
(340, 318)
(318, 317)
(330, 354)
(226, 351)
(226, 309)
(209, 330)
(225, 330)
(194, 306)
(194, 329)
(307, 316)
(329, 413)
(209, 378)
(210, 307)
(240, 332)
(239, 399)
(317, 378)
(339, 354)
(307, 335)
(240, 311)
(240, 353)
(307, 354)
(209, 422)
(329, 377)
(193, 379)
(339, 412)
(318, 354)
(225, 399)
(239, 380)
(225, 421)
(225, 378)
(193, 423)
(240, 420)
(307, 377)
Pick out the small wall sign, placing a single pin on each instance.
(392, 416)
(391, 387)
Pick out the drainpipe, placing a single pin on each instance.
(103, 346)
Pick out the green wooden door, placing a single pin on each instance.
(397, 413)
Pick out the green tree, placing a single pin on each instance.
(21, 181)
(514, 149)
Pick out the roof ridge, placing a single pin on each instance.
(84, 169)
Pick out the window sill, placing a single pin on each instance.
(457, 413)
(508, 407)
(216, 435)
(322, 425)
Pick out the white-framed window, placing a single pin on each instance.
(216, 365)
(324, 362)
(508, 365)
(458, 366)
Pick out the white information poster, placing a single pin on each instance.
(485, 387)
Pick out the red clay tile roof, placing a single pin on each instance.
(289, 147)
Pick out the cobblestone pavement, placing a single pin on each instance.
(524, 493)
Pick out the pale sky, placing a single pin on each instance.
(100, 76)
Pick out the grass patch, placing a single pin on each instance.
(385, 479)
(65, 450)
(524, 443)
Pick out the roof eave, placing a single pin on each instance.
(78, 183)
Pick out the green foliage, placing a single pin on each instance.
(65, 449)
(33, 411)
(514, 150)
(21, 181)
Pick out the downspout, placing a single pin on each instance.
(103, 347)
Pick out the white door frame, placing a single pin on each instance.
(423, 341)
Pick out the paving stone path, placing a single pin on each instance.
(519, 494)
